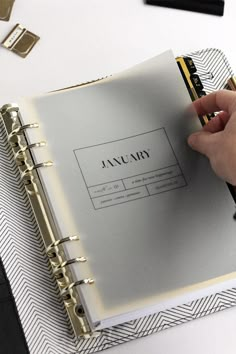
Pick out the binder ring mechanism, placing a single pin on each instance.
(51, 248)
(19, 130)
(65, 293)
(19, 153)
(12, 111)
(22, 151)
(58, 267)
(52, 253)
(29, 169)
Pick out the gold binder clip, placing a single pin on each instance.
(20, 41)
(5, 9)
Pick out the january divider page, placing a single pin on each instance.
(154, 221)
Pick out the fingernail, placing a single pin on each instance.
(191, 139)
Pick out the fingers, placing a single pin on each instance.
(216, 101)
(218, 123)
(201, 141)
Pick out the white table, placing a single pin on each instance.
(86, 39)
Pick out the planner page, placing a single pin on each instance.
(155, 224)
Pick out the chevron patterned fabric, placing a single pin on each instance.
(42, 314)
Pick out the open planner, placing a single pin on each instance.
(118, 227)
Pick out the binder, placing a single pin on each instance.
(203, 72)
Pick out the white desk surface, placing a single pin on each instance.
(86, 39)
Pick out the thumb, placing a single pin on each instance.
(201, 141)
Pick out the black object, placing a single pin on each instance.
(190, 65)
(196, 82)
(201, 93)
(12, 339)
(214, 7)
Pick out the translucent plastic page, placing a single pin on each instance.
(154, 222)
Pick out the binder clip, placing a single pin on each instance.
(20, 41)
(5, 9)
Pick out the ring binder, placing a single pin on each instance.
(18, 130)
(10, 107)
(59, 242)
(64, 278)
(65, 293)
(29, 175)
(68, 262)
(27, 147)
(36, 166)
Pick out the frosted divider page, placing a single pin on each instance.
(151, 215)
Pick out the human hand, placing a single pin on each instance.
(217, 139)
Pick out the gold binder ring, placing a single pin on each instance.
(27, 147)
(20, 129)
(68, 262)
(8, 108)
(35, 167)
(65, 293)
(59, 242)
